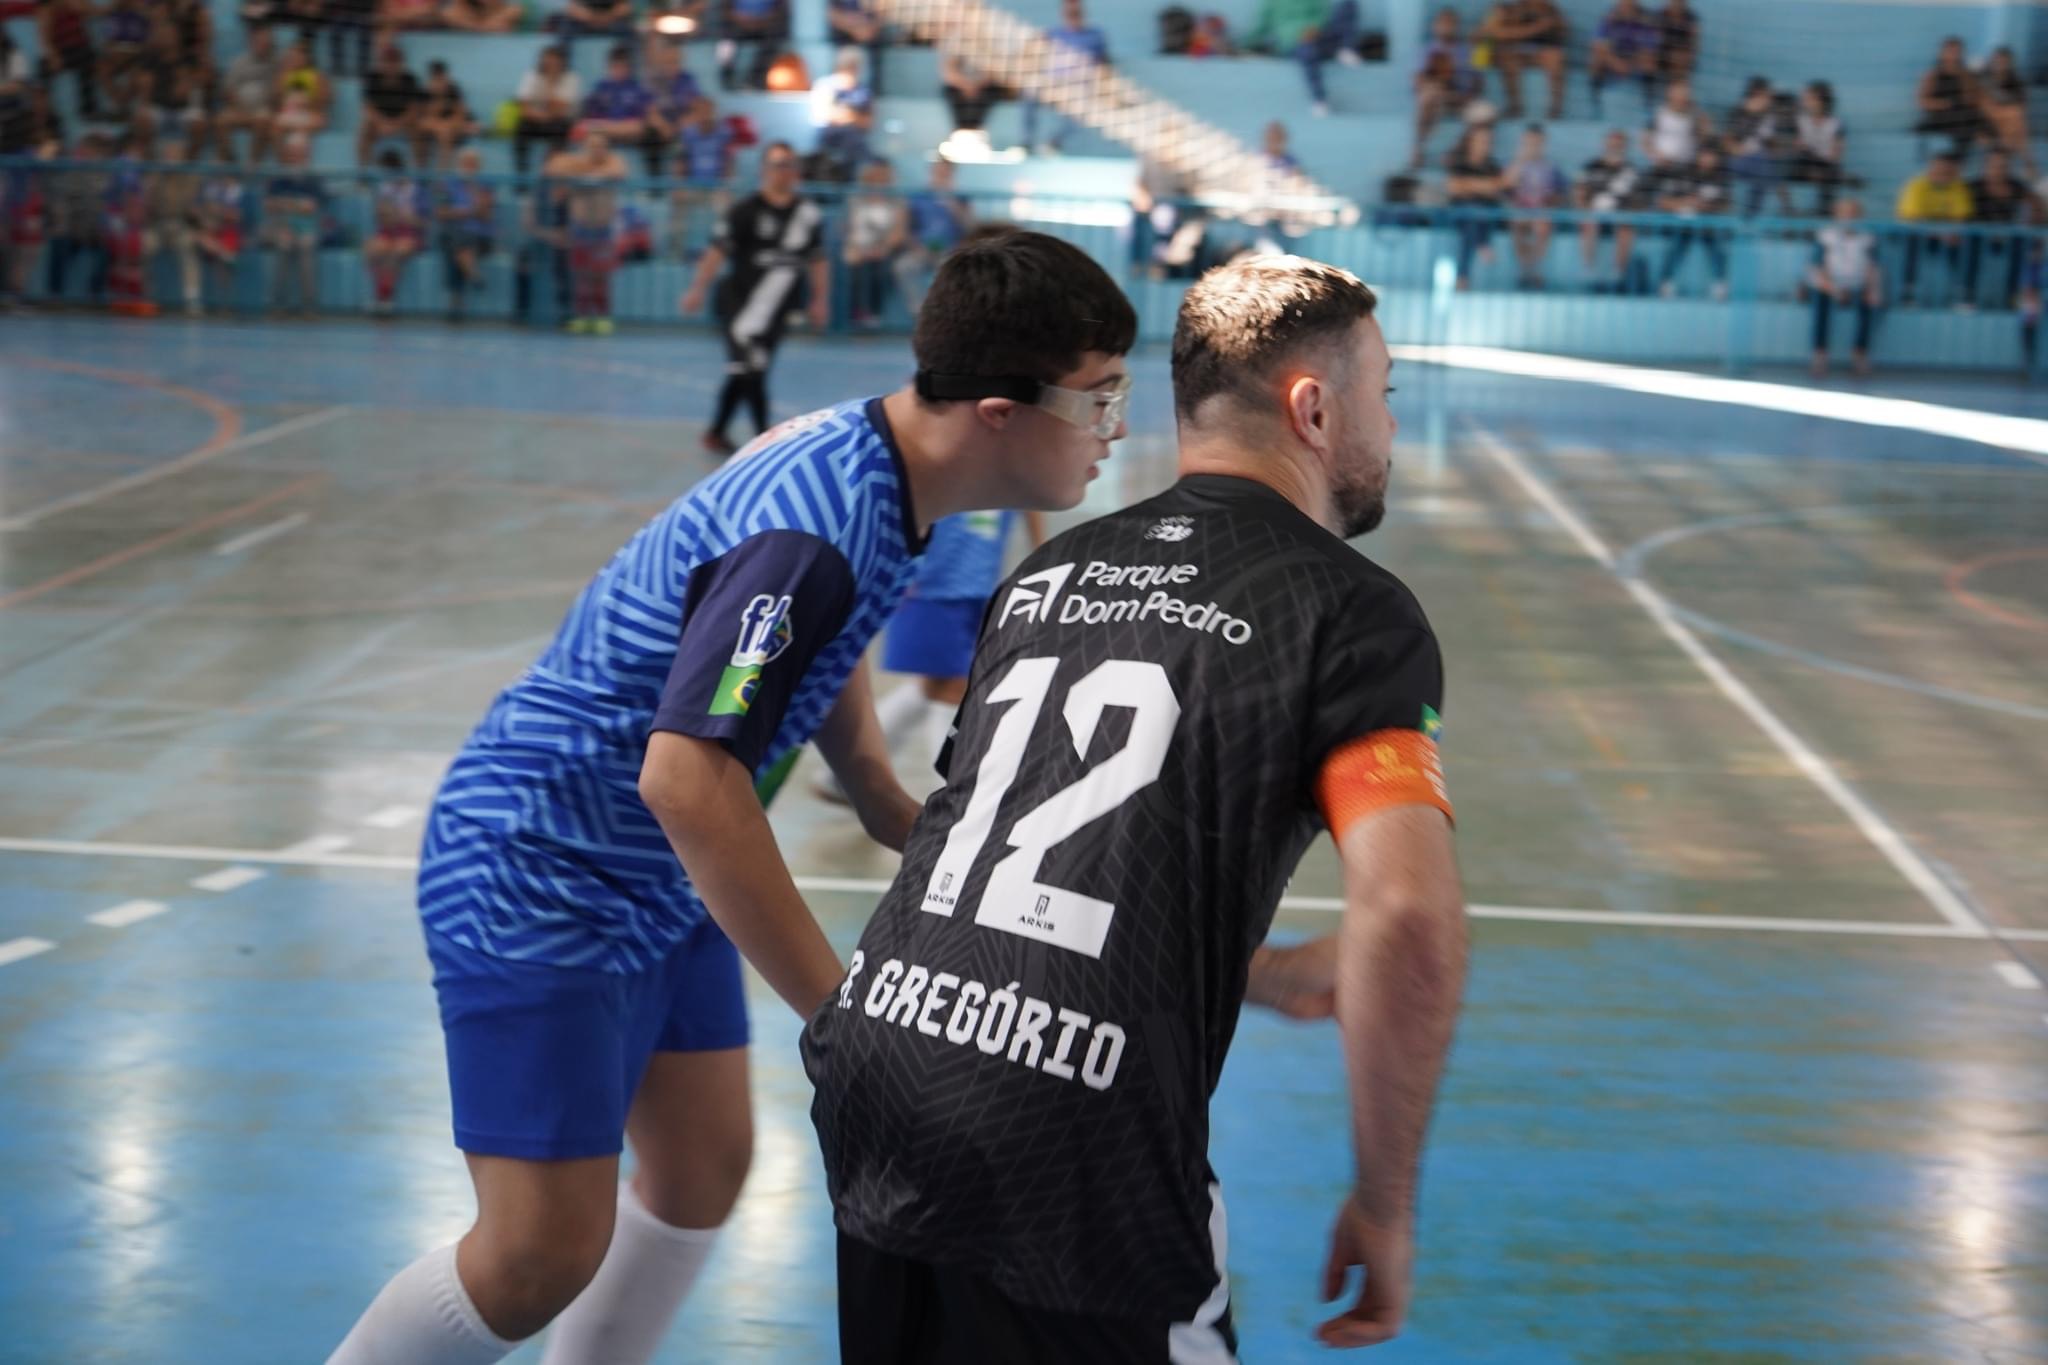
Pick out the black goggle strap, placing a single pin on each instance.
(952, 388)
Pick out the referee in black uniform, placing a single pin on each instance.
(1167, 705)
(770, 238)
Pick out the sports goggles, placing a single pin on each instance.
(1099, 412)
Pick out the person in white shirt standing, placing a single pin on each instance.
(1844, 271)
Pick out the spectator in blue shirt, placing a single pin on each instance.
(1078, 49)
(672, 92)
(843, 112)
(1627, 45)
(704, 149)
(617, 105)
(939, 218)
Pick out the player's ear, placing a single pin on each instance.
(1308, 411)
(996, 411)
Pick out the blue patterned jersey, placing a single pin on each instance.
(964, 561)
(736, 615)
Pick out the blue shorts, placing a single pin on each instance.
(543, 1061)
(933, 637)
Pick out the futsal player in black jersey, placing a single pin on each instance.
(1167, 705)
(771, 239)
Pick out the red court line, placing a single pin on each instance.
(227, 420)
(1954, 579)
(157, 542)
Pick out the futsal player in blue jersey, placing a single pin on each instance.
(932, 635)
(597, 850)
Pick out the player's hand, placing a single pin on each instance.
(821, 314)
(1298, 980)
(1387, 1255)
(692, 302)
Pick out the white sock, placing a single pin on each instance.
(423, 1317)
(899, 713)
(621, 1318)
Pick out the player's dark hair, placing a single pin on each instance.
(1012, 302)
(1241, 322)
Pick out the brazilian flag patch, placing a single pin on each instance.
(736, 689)
(1432, 724)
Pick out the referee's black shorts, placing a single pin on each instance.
(896, 1311)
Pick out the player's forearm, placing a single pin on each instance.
(1400, 975)
(706, 805)
(708, 266)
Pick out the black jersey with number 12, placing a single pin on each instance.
(1015, 1076)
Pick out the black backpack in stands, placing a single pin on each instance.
(1176, 30)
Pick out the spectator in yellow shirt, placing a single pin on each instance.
(1936, 195)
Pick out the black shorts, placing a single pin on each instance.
(896, 1311)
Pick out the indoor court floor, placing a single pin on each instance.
(1747, 724)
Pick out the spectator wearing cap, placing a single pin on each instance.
(1936, 195)
(392, 97)
(1625, 47)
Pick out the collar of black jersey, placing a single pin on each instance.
(879, 419)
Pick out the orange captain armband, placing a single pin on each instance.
(1386, 768)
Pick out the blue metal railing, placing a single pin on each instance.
(1724, 291)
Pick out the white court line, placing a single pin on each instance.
(15, 949)
(319, 843)
(249, 540)
(2026, 437)
(2017, 976)
(392, 817)
(228, 879)
(127, 913)
(875, 886)
(1874, 827)
(88, 496)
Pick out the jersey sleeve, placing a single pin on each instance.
(1374, 719)
(754, 619)
(730, 236)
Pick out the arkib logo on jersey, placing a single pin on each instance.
(1034, 595)
(1171, 529)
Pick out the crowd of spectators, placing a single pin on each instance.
(145, 87)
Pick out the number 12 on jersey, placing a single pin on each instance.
(1015, 901)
